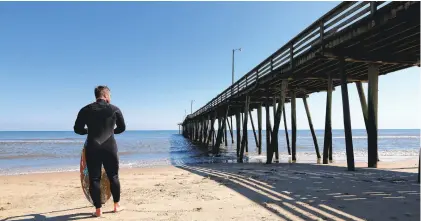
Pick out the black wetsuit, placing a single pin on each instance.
(101, 147)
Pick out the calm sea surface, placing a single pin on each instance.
(43, 151)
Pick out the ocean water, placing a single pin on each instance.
(44, 151)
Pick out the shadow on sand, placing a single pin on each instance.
(318, 192)
(42, 216)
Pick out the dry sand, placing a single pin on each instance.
(226, 192)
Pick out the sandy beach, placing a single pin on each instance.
(227, 192)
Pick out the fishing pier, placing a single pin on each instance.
(354, 43)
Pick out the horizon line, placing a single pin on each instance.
(177, 130)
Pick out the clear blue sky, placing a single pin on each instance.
(156, 57)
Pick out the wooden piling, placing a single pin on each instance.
(347, 118)
(373, 79)
(238, 121)
(221, 130)
(254, 130)
(200, 130)
(363, 102)
(269, 151)
(231, 129)
(244, 139)
(364, 107)
(213, 129)
(259, 126)
(274, 139)
(419, 161)
(294, 125)
(219, 136)
(286, 131)
(310, 123)
(328, 122)
(277, 118)
(207, 131)
(225, 130)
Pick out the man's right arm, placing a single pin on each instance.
(121, 125)
(80, 123)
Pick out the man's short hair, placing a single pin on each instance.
(101, 91)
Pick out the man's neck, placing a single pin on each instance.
(101, 100)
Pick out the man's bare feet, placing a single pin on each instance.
(117, 207)
(97, 213)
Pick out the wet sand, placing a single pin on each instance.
(227, 192)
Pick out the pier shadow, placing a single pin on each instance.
(298, 191)
(306, 191)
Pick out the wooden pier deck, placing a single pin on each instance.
(354, 42)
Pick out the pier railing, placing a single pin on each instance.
(282, 61)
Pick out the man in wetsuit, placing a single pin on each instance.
(100, 117)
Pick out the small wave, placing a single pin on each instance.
(23, 141)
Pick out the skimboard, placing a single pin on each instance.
(84, 179)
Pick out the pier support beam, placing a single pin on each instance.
(364, 107)
(238, 122)
(347, 118)
(212, 134)
(373, 80)
(197, 130)
(221, 129)
(219, 136)
(328, 123)
(294, 125)
(286, 131)
(274, 140)
(419, 161)
(231, 129)
(259, 126)
(225, 130)
(269, 151)
(277, 119)
(200, 130)
(310, 123)
(207, 132)
(244, 139)
(363, 102)
(254, 130)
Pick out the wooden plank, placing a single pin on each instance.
(286, 131)
(347, 118)
(328, 122)
(259, 126)
(310, 123)
(294, 125)
(373, 79)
